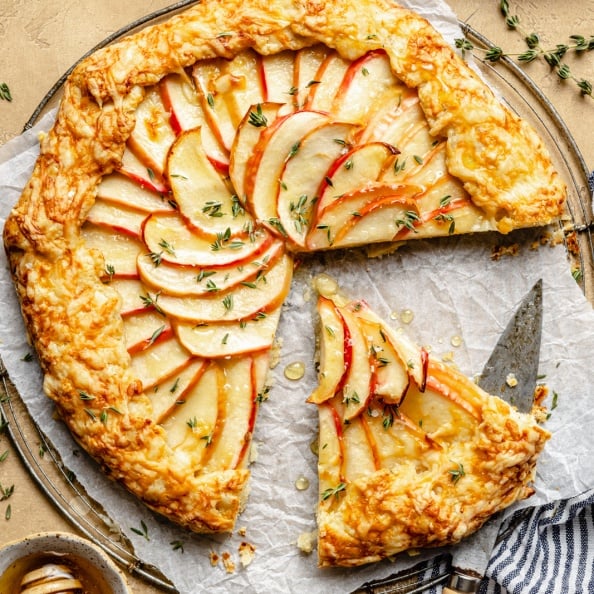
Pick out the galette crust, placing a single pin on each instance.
(73, 318)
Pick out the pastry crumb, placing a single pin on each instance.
(214, 558)
(306, 541)
(242, 531)
(499, 251)
(228, 563)
(247, 552)
(511, 380)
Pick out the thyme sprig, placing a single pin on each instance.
(552, 56)
(5, 94)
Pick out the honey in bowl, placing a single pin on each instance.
(48, 573)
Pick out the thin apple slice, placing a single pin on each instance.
(330, 451)
(120, 252)
(241, 303)
(398, 111)
(179, 98)
(334, 226)
(220, 340)
(279, 143)
(169, 239)
(304, 173)
(206, 74)
(414, 357)
(142, 174)
(161, 361)
(390, 374)
(359, 456)
(255, 121)
(118, 217)
(327, 83)
(278, 75)
(199, 190)
(235, 423)
(136, 299)
(332, 360)
(363, 86)
(194, 281)
(358, 167)
(122, 190)
(395, 436)
(165, 398)
(307, 64)
(241, 84)
(356, 391)
(152, 135)
(145, 329)
(191, 424)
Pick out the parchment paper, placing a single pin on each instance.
(452, 286)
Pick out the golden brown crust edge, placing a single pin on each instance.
(391, 511)
(73, 319)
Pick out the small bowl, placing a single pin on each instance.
(90, 564)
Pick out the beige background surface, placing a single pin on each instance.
(41, 39)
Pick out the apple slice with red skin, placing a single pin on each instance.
(330, 452)
(390, 375)
(196, 281)
(179, 98)
(122, 219)
(203, 197)
(334, 352)
(142, 174)
(152, 135)
(144, 329)
(398, 111)
(327, 83)
(303, 174)
(355, 169)
(360, 459)
(333, 226)
(120, 251)
(191, 424)
(356, 390)
(237, 414)
(255, 121)
(241, 84)
(136, 298)
(122, 190)
(169, 395)
(363, 85)
(159, 362)
(307, 64)
(278, 72)
(171, 240)
(240, 303)
(415, 358)
(221, 340)
(277, 144)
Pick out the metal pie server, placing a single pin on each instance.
(510, 373)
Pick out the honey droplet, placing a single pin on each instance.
(302, 483)
(295, 371)
(407, 316)
(456, 341)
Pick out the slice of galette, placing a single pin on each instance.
(412, 453)
(151, 249)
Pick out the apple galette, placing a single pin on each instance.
(152, 248)
(411, 452)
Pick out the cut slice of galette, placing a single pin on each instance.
(152, 247)
(412, 453)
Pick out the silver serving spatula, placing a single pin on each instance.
(510, 373)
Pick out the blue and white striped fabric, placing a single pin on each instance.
(543, 550)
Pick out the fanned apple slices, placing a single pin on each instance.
(411, 452)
